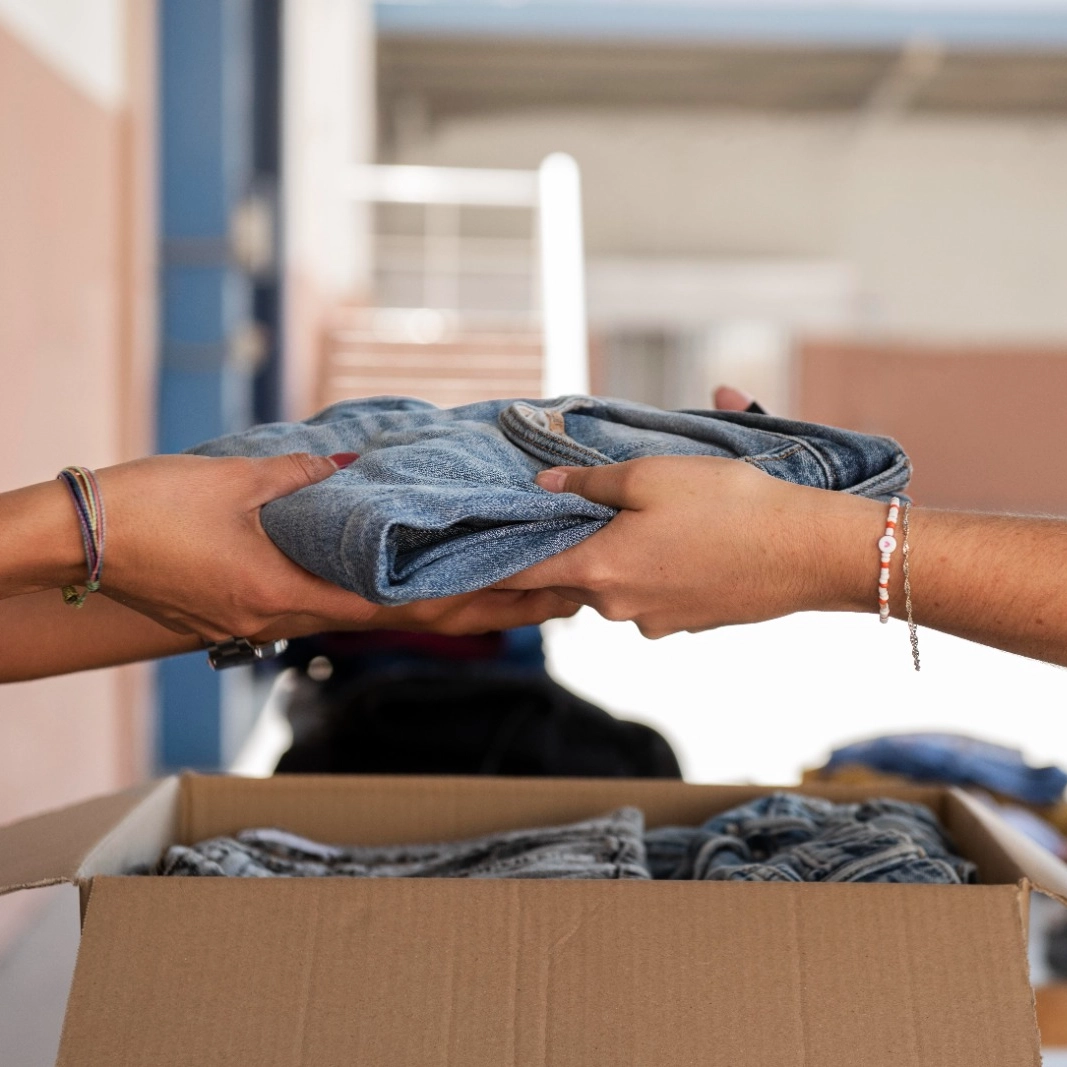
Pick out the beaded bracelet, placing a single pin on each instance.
(887, 545)
(89, 505)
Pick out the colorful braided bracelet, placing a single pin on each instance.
(89, 505)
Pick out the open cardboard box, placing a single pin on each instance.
(332, 971)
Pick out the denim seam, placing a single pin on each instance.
(759, 461)
(522, 434)
(827, 469)
(482, 537)
(848, 872)
(893, 479)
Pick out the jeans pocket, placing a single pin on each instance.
(541, 432)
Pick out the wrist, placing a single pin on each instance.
(40, 540)
(847, 532)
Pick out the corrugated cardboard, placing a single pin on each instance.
(395, 972)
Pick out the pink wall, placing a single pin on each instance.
(983, 424)
(76, 353)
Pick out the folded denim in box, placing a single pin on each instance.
(785, 837)
(778, 838)
(606, 847)
(443, 500)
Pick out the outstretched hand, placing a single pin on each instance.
(701, 542)
(186, 548)
(186, 562)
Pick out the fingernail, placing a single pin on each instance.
(344, 459)
(552, 480)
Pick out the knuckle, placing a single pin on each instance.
(246, 623)
(258, 595)
(307, 466)
(249, 615)
(596, 574)
(211, 633)
(420, 611)
(271, 599)
(630, 477)
(615, 611)
(638, 474)
(452, 626)
(303, 463)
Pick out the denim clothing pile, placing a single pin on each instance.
(784, 837)
(609, 847)
(955, 759)
(443, 501)
(778, 838)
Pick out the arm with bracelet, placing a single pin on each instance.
(167, 555)
(701, 542)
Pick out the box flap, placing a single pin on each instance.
(113, 832)
(338, 971)
(384, 809)
(1041, 868)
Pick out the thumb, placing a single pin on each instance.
(612, 484)
(727, 398)
(282, 475)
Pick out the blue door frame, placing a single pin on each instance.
(219, 77)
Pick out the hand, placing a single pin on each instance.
(470, 613)
(701, 542)
(185, 546)
(727, 398)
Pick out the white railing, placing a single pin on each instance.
(552, 193)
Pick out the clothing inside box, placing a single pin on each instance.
(380, 950)
(781, 837)
(375, 813)
(540, 960)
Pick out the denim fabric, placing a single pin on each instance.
(778, 838)
(956, 760)
(609, 847)
(784, 837)
(443, 501)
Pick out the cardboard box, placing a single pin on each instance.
(286, 972)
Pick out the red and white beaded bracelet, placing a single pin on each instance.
(887, 545)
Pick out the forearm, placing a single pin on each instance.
(40, 545)
(999, 580)
(43, 636)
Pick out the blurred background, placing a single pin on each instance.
(216, 212)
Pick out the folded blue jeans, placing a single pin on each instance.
(607, 847)
(784, 837)
(443, 500)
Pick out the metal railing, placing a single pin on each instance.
(553, 257)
